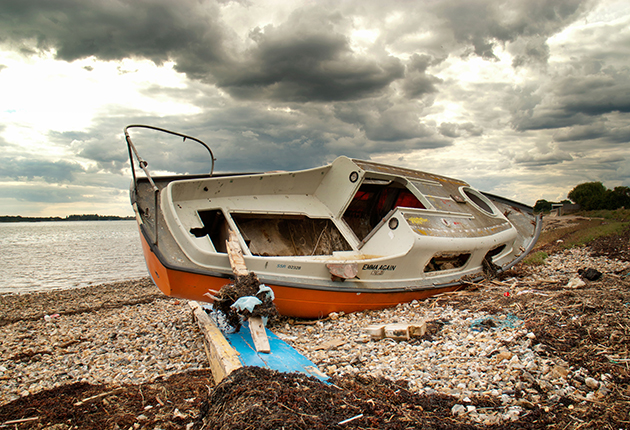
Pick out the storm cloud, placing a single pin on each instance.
(493, 90)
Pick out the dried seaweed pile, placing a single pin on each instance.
(264, 399)
(171, 403)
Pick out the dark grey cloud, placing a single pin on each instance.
(417, 82)
(586, 132)
(483, 24)
(304, 59)
(608, 91)
(307, 58)
(42, 194)
(298, 92)
(530, 51)
(535, 159)
(573, 101)
(613, 134)
(384, 120)
(159, 30)
(453, 130)
(21, 168)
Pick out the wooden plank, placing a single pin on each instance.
(259, 334)
(235, 254)
(222, 357)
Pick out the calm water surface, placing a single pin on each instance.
(39, 256)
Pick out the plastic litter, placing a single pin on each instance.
(246, 302)
(509, 321)
(575, 283)
(265, 289)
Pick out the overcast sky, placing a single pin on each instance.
(521, 98)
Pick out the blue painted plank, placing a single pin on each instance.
(282, 357)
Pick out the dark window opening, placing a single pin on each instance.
(373, 201)
(446, 261)
(289, 235)
(477, 200)
(494, 252)
(215, 226)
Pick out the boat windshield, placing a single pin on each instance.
(373, 201)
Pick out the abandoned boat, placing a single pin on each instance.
(349, 236)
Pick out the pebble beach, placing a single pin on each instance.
(121, 333)
(129, 333)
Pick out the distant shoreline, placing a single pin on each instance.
(90, 217)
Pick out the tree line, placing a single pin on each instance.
(592, 196)
(84, 217)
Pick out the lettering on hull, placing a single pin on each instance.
(289, 267)
(383, 267)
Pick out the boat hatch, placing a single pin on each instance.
(215, 227)
(374, 200)
(447, 261)
(289, 235)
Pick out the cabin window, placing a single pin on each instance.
(215, 227)
(374, 200)
(289, 235)
(479, 200)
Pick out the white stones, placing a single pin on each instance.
(460, 359)
(130, 345)
(512, 413)
(559, 372)
(591, 383)
(576, 282)
(458, 410)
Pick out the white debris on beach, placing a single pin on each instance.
(131, 344)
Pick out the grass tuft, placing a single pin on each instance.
(536, 258)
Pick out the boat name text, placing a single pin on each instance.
(378, 267)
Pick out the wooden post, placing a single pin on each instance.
(256, 326)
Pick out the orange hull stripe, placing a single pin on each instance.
(290, 301)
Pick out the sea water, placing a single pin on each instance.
(40, 256)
